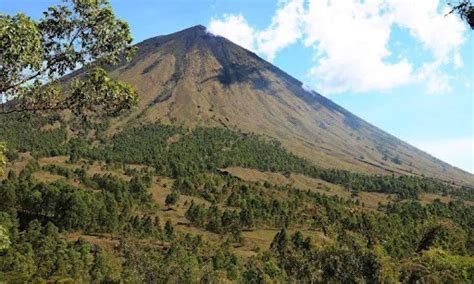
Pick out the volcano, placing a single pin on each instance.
(193, 78)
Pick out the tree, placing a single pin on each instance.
(172, 198)
(247, 218)
(280, 241)
(2, 158)
(104, 269)
(139, 189)
(4, 239)
(78, 33)
(465, 9)
(169, 229)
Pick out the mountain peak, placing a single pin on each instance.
(199, 27)
(186, 38)
(194, 78)
(191, 31)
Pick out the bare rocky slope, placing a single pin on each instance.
(193, 78)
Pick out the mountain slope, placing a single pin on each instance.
(193, 78)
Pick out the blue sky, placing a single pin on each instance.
(402, 65)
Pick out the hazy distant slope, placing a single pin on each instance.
(193, 78)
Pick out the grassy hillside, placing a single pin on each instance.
(193, 79)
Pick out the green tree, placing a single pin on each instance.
(254, 273)
(247, 218)
(2, 158)
(169, 229)
(104, 269)
(172, 198)
(78, 33)
(280, 241)
(4, 239)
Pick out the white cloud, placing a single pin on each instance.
(350, 39)
(284, 30)
(457, 61)
(439, 32)
(436, 81)
(234, 28)
(458, 152)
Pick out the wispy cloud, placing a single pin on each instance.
(284, 30)
(234, 28)
(351, 39)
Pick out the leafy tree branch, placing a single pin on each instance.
(77, 34)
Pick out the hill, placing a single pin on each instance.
(192, 78)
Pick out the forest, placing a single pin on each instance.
(203, 150)
(319, 238)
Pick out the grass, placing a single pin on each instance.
(17, 166)
(105, 241)
(47, 176)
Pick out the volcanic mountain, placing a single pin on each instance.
(193, 78)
